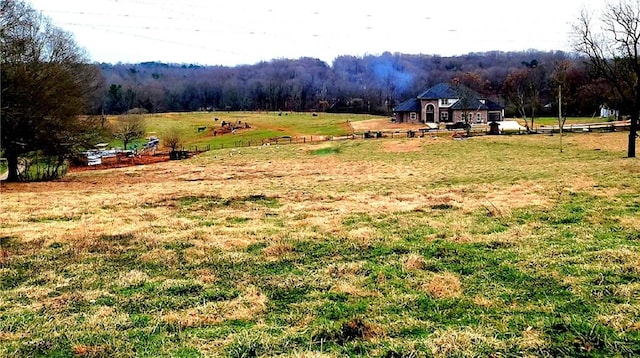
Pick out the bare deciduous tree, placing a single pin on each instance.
(129, 127)
(172, 138)
(612, 46)
(522, 89)
(467, 103)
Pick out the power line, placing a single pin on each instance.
(164, 40)
(105, 14)
(145, 27)
(173, 22)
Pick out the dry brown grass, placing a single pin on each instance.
(142, 200)
(277, 250)
(453, 343)
(207, 276)
(402, 146)
(531, 339)
(309, 355)
(612, 142)
(383, 124)
(353, 287)
(81, 350)
(444, 285)
(413, 262)
(249, 304)
(386, 220)
(133, 278)
(483, 301)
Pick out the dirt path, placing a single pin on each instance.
(383, 124)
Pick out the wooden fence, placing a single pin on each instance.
(455, 133)
(356, 136)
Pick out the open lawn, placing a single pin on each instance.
(197, 128)
(553, 121)
(491, 246)
(263, 125)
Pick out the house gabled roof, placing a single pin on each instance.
(470, 104)
(477, 104)
(493, 106)
(411, 105)
(447, 91)
(439, 91)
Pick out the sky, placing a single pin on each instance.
(237, 32)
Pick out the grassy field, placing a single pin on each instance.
(263, 125)
(422, 247)
(268, 125)
(553, 121)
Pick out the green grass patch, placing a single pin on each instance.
(325, 151)
(263, 126)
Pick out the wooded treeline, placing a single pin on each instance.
(371, 84)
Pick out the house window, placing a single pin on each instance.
(413, 116)
(444, 101)
(479, 117)
(444, 116)
(463, 117)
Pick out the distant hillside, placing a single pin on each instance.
(372, 84)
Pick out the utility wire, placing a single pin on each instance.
(164, 40)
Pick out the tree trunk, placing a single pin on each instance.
(12, 166)
(533, 116)
(523, 114)
(633, 128)
(633, 133)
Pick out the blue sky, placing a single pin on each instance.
(246, 32)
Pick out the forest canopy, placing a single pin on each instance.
(371, 84)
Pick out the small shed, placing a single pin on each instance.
(494, 128)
